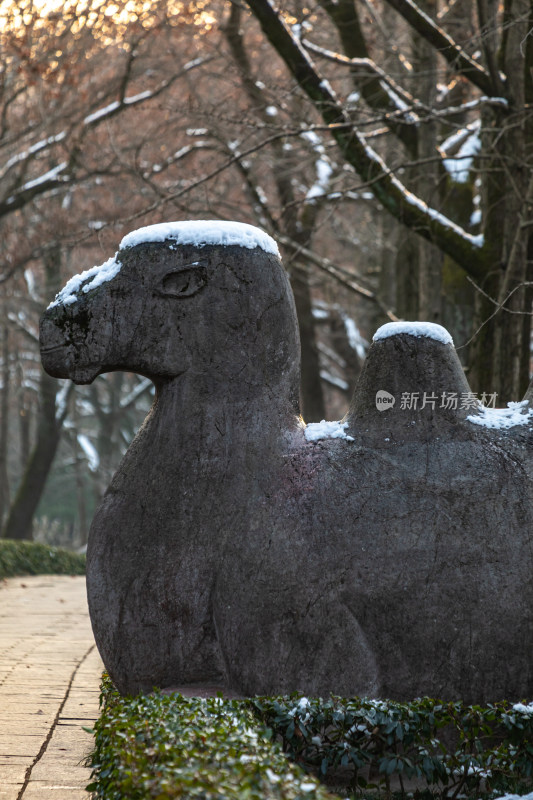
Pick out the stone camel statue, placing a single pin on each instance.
(388, 555)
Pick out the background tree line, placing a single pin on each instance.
(386, 145)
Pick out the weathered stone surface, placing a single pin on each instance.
(229, 549)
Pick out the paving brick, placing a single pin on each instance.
(61, 791)
(12, 773)
(49, 687)
(8, 792)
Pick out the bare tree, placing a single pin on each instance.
(4, 417)
(499, 82)
(68, 94)
(378, 118)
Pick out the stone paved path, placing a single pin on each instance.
(49, 686)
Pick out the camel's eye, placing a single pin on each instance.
(184, 283)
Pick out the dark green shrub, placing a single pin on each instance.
(448, 748)
(163, 747)
(33, 558)
(166, 747)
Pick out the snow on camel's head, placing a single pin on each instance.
(205, 297)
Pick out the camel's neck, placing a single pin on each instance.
(190, 392)
(198, 426)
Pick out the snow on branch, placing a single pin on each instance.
(484, 100)
(177, 156)
(127, 102)
(333, 380)
(411, 202)
(320, 188)
(402, 100)
(103, 112)
(52, 175)
(55, 177)
(381, 93)
(399, 97)
(62, 397)
(323, 168)
(89, 451)
(459, 151)
(31, 151)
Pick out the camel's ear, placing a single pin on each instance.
(184, 282)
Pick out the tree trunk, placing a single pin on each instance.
(105, 397)
(80, 472)
(429, 257)
(19, 523)
(511, 338)
(407, 253)
(4, 412)
(312, 398)
(297, 227)
(24, 419)
(509, 208)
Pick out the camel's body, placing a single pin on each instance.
(229, 548)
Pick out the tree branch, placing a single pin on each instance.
(369, 66)
(414, 104)
(343, 14)
(64, 172)
(465, 249)
(342, 276)
(488, 50)
(441, 41)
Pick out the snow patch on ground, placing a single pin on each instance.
(315, 431)
(203, 232)
(517, 413)
(429, 330)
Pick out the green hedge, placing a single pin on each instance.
(33, 558)
(449, 748)
(161, 747)
(167, 746)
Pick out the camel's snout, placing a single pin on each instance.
(56, 347)
(68, 340)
